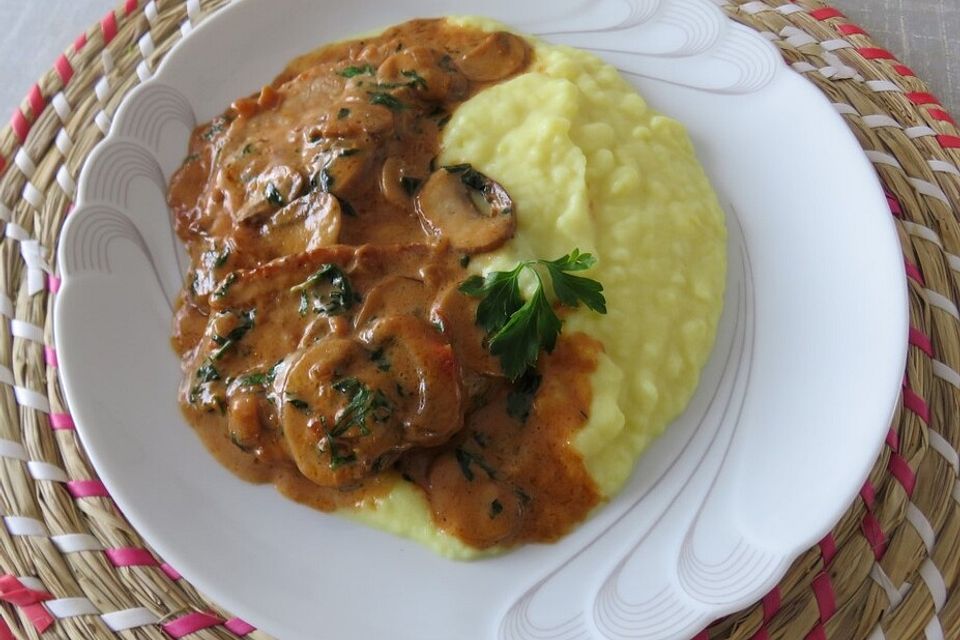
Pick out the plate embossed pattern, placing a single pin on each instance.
(76, 547)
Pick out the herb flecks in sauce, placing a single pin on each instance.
(325, 344)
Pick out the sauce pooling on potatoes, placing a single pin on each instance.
(325, 345)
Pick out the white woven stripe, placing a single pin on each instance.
(150, 11)
(32, 399)
(769, 35)
(25, 163)
(6, 306)
(102, 88)
(46, 471)
(146, 45)
(878, 120)
(76, 542)
(934, 580)
(787, 9)
(877, 634)
(941, 446)
(942, 166)
(835, 45)
(803, 67)
(24, 526)
(922, 525)
(102, 121)
(941, 302)
(129, 619)
(919, 132)
(11, 449)
(753, 8)
(883, 86)
(64, 143)
(32, 195)
(930, 189)
(71, 607)
(32, 583)
(66, 181)
(143, 71)
(106, 58)
(894, 595)
(933, 630)
(26, 330)
(6, 375)
(797, 38)
(16, 232)
(185, 29)
(953, 260)
(845, 109)
(34, 255)
(946, 374)
(920, 231)
(62, 107)
(193, 10)
(881, 157)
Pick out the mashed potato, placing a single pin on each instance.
(591, 166)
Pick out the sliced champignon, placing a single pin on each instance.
(348, 408)
(456, 312)
(397, 187)
(420, 70)
(426, 375)
(269, 191)
(307, 223)
(243, 420)
(337, 413)
(469, 502)
(395, 296)
(499, 55)
(448, 209)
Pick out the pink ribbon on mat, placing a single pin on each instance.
(13, 591)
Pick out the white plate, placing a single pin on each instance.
(789, 416)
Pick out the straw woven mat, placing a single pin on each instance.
(74, 568)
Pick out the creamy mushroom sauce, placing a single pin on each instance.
(325, 345)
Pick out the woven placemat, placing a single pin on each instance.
(74, 568)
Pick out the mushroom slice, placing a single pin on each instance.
(348, 407)
(426, 376)
(456, 313)
(499, 55)
(395, 296)
(337, 413)
(272, 189)
(448, 209)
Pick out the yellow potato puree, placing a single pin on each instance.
(590, 165)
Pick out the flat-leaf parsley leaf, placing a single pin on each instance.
(518, 330)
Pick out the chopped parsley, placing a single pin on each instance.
(327, 292)
(520, 399)
(496, 508)
(274, 196)
(225, 285)
(362, 403)
(353, 71)
(343, 113)
(417, 81)
(385, 99)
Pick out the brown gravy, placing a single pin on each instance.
(326, 348)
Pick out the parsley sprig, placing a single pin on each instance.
(518, 330)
